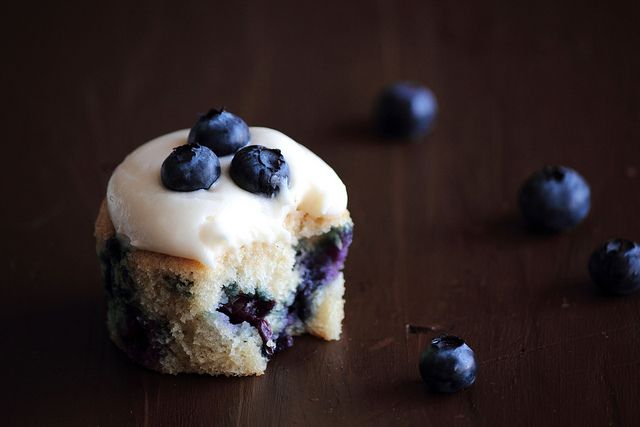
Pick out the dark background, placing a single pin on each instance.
(438, 240)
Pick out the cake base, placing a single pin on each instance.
(176, 315)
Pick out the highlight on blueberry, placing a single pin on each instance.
(405, 110)
(221, 131)
(448, 365)
(554, 199)
(615, 267)
(190, 167)
(259, 170)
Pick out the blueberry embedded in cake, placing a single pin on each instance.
(217, 248)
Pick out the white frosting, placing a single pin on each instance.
(199, 224)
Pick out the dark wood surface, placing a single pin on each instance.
(438, 241)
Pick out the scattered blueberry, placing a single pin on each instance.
(259, 169)
(221, 131)
(554, 199)
(190, 167)
(448, 365)
(615, 267)
(405, 110)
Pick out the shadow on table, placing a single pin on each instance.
(509, 228)
(61, 368)
(359, 131)
(580, 293)
(409, 399)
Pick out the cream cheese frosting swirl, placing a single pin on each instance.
(200, 224)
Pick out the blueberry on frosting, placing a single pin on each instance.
(190, 167)
(221, 131)
(259, 170)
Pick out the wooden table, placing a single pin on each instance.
(438, 241)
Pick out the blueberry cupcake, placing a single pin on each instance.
(220, 244)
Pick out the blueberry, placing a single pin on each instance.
(190, 167)
(259, 170)
(319, 260)
(143, 338)
(283, 342)
(615, 267)
(251, 309)
(448, 365)
(554, 199)
(221, 131)
(405, 110)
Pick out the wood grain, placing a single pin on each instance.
(438, 241)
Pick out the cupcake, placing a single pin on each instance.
(220, 244)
